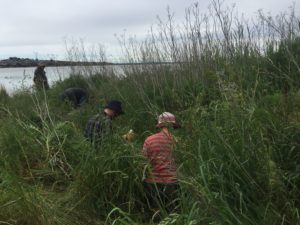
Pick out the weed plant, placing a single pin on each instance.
(234, 86)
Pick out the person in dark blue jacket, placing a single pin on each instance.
(76, 96)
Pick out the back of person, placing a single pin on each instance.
(158, 149)
(161, 184)
(77, 96)
(97, 128)
(40, 79)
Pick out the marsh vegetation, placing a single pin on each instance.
(234, 86)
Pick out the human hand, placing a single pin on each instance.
(129, 136)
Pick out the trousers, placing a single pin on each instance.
(162, 195)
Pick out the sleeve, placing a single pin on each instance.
(89, 128)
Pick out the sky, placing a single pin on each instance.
(41, 28)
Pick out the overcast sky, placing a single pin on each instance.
(38, 28)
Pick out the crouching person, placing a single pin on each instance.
(99, 126)
(161, 183)
(76, 96)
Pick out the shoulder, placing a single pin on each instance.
(99, 118)
(93, 118)
(154, 137)
(82, 90)
(93, 121)
(76, 91)
(67, 91)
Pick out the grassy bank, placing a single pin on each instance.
(233, 86)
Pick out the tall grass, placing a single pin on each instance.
(232, 83)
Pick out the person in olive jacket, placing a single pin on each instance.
(40, 79)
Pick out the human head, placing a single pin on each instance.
(166, 119)
(113, 108)
(41, 65)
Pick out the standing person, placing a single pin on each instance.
(40, 79)
(99, 126)
(76, 96)
(161, 179)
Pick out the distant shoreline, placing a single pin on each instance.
(15, 62)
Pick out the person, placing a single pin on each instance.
(161, 183)
(99, 126)
(40, 79)
(76, 96)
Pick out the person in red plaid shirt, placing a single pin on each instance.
(161, 179)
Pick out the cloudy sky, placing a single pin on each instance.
(39, 28)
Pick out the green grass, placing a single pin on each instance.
(238, 153)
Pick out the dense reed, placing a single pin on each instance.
(233, 84)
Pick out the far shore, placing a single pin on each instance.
(15, 62)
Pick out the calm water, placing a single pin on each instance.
(16, 78)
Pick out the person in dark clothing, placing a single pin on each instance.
(99, 126)
(40, 79)
(76, 96)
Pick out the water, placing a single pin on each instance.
(13, 79)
